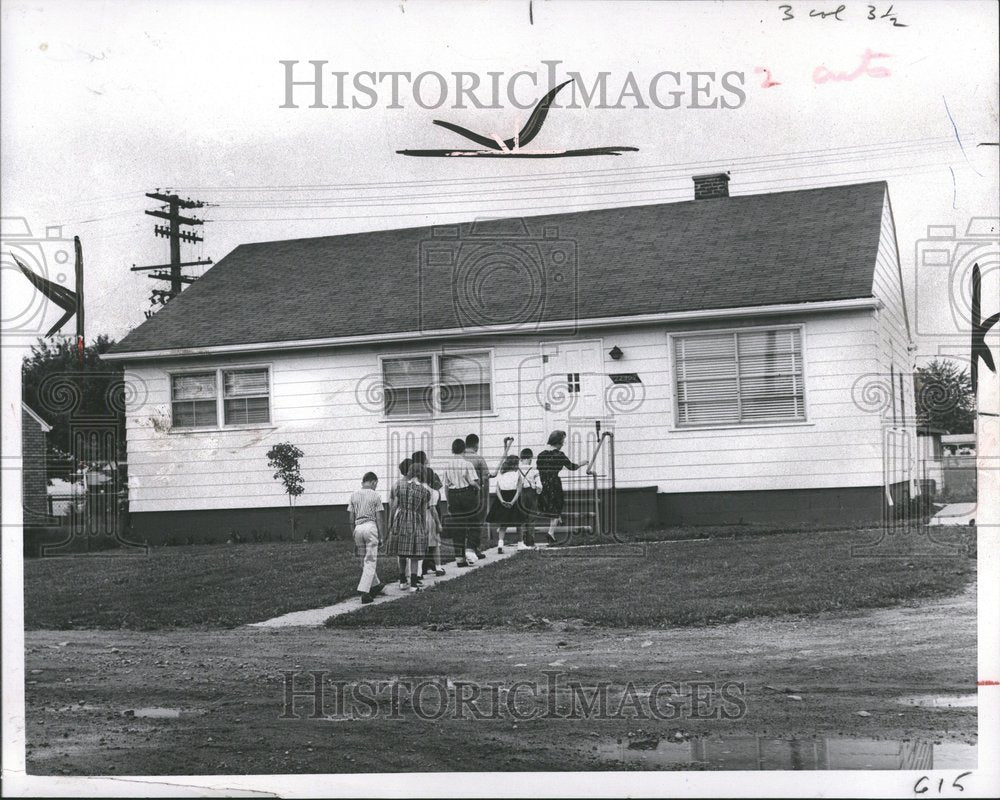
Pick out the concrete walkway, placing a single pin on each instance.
(315, 617)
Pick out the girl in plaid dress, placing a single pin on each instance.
(409, 500)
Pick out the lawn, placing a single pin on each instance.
(691, 583)
(198, 586)
(714, 580)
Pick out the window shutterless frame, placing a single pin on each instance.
(220, 399)
(674, 336)
(436, 411)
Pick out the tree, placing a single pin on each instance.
(284, 459)
(944, 397)
(73, 394)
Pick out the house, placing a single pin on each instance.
(34, 474)
(732, 343)
(930, 455)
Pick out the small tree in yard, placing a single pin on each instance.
(284, 458)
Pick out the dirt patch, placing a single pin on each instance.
(849, 673)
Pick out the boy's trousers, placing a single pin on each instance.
(366, 546)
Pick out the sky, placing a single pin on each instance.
(104, 101)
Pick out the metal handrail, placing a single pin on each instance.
(601, 437)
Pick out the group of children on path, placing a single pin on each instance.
(416, 533)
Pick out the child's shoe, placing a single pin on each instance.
(366, 598)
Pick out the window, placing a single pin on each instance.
(740, 377)
(409, 386)
(193, 400)
(420, 386)
(244, 395)
(465, 383)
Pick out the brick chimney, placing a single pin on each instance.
(711, 187)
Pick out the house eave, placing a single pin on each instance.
(555, 326)
(46, 427)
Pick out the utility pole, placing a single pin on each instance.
(176, 235)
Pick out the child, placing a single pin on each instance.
(433, 522)
(392, 548)
(531, 486)
(408, 530)
(462, 490)
(506, 511)
(365, 511)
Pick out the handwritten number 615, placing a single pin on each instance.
(920, 786)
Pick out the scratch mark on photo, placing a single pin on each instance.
(958, 138)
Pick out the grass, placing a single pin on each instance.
(690, 583)
(715, 580)
(217, 586)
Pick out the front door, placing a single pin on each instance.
(572, 392)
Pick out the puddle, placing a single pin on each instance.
(758, 753)
(154, 712)
(941, 700)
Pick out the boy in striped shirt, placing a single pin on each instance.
(365, 511)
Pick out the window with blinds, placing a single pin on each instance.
(246, 396)
(454, 383)
(739, 377)
(409, 386)
(193, 400)
(465, 383)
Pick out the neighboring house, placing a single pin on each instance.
(959, 444)
(34, 475)
(752, 324)
(930, 456)
(959, 466)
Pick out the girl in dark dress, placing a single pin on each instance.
(549, 463)
(506, 510)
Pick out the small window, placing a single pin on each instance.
(193, 400)
(409, 386)
(744, 377)
(246, 396)
(465, 383)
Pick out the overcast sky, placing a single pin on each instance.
(103, 101)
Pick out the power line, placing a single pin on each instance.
(559, 207)
(730, 162)
(407, 199)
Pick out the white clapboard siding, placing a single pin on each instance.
(895, 359)
(320, 402)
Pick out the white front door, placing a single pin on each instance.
(572, 391)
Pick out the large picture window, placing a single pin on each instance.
(243, 394)
(739, 377)
(425, 386)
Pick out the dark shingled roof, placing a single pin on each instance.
(750, 250)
